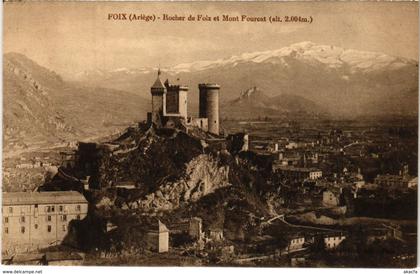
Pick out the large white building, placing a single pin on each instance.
(33, 220)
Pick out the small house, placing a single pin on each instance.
(330, 198)
(157, 237)
(332, 241)
(295, 243)
(216, 234)
(413, 183)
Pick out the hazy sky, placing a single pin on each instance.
(71, 37)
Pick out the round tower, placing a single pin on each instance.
(209, 105)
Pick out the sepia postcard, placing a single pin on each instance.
(247, 134)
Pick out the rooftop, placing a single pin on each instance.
(158, 226)
(172, 87)
(209, 85)
(158, 84)
(49, 197)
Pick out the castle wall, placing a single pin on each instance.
(158, 103)
(183, 102)
(202, 110)
(172, 104)
(176, 100)
(201, 123)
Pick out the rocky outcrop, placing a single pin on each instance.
(147, 158)
(30, 113)
(203, 175)
(41, 109)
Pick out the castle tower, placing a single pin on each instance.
(176, 99)
(209, 105)
(158, 92)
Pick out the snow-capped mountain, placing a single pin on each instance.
(343, 81)
(308, 52)
(101, 73)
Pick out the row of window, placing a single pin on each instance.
(331, 245)
(23, 219)
(334, 238)
(49, 208)
(60, 208)
(63, 218)
(23, 229)
(298, 240)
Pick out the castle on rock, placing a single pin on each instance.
(169, 106)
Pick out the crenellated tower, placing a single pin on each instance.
(176, 100)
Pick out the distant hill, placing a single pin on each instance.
(254, 103)
(40, 108)
(343, 81)
(29, 113)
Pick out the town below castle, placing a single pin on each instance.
(180, 190)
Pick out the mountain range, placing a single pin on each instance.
(41, 108)
(344, 82)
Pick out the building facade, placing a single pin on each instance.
(392, 181)
(333, 241)
(157, 238)
(295, 243)
(298, 173)
(176, 100)
(33, 220)
(330, 198)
